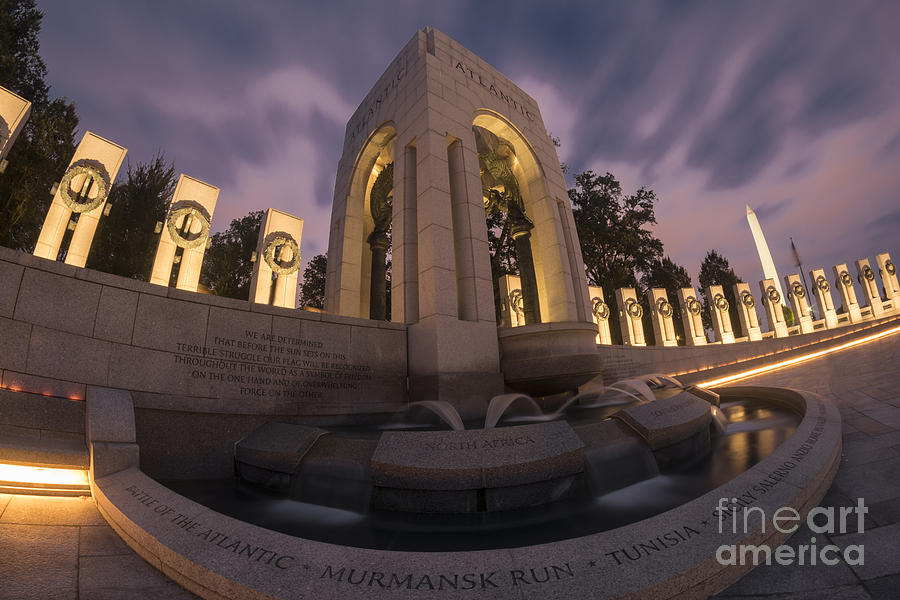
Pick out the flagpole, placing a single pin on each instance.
(800, 266)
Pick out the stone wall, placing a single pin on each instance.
(700, 363)
(225, 366)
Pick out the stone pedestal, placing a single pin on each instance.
(600, 313)
(663, 313)
(822, 293)
(843, 281)
(278, 254)
(772, 299)
(799, 302)
(512, 302)
(865, 275)
(83, 191)
(630, 314)
(185, 233)
(691, 310)
(719, 313)
(889, 279)
(747, 311)
(14, 111)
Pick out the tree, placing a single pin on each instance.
(47, 142)
(227, 268)
(672, 277)
(312, 290)
(125, 242)
(714, 270)
(616, 241)
(503, 253)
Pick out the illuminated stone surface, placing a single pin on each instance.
(105, 157)
(285, 287)
(188, 229)
(14, 111)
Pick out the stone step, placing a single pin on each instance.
(24, 414)
(43, 452)
(47, 467)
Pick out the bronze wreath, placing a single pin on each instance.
(890, 268)
(188, 208)
(634, 310)
(275, 240)
(822, 284)
(693, 305)
(846, 279)
(517, 301)
(867, 273)
(71, 201)
(747, 299)
(797, 289)
(720, 302)
(664, 308)
(773, 295)
(600, 309)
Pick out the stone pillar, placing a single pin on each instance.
(462, 234)
(82, 190)
(521, 232)
(865, 274)
(747, 311)
(822, 294)
(691, 310)
(663, 325)
(772, 300)
(512, 305)
(278, 253)
(449, 358)
(799, 302)
(630, 314)
(600, 313)
(889, 279)
(843, 281)
(185, 233)
(719, 312)
(14, 111)
(405, 273)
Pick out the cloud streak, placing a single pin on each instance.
(792, 109)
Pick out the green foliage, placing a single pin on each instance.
(125, 242)
(312, 290)
(614, 230)
(616, 240)
(43, 150)
(715, 270)
(226, 266)
(788, 315)
(502, 250)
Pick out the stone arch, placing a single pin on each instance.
(351, 268)
(554, 282)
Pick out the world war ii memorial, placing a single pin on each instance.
(250, 449)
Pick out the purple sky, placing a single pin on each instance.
(792, 107)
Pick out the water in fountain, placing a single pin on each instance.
(500, 404)
(622, 484)
(411, 417)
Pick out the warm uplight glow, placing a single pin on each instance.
(42, 475)
(798, 359)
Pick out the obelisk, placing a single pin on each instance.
(765, 257)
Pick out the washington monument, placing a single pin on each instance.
(765, 257)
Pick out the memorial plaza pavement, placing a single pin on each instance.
(62, 548)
